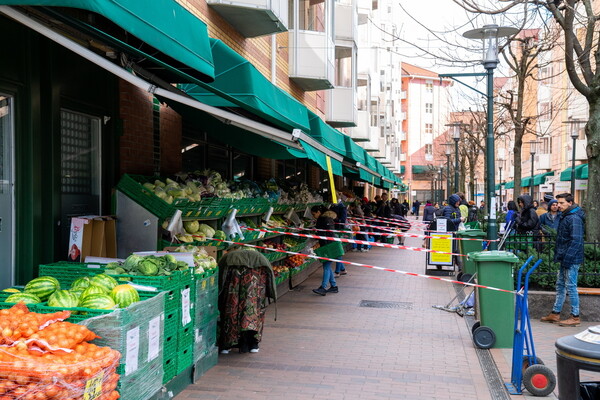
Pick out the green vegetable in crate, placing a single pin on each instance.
(131, 262)
(80, 283)
(98, 301)
(42, 287)
(104, 281)
(207, 230)
(149, 266)
(92, 289)
(124, 295)
(63, 299)
(191, 226)
(27, 298)
(220, 235)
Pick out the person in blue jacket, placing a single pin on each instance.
(551, 218)
(451, 213)
(569, 253)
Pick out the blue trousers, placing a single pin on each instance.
(566, 283)
(328, 277)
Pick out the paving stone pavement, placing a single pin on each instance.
(330, 348)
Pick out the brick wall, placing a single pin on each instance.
(170, 141)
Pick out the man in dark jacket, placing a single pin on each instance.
(451, 213)
(569, 253)
(527, 220)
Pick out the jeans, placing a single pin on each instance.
(328, 277)
(339, 267)
(566, 282)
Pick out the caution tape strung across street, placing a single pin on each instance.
(437, 278)
(402, 234)
(380, 227)
(394, 224)
(394, 220)
(334, 239)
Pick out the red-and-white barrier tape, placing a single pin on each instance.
(390, 220)
(402, 234)
(343, 240)
(370, 266)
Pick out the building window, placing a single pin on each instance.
(429, 87)
(311, 16)
(429, 108)
(428, 128)
(545, 111)
(343, 66)
(429, 149)
(546, 145)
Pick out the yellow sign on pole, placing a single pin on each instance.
(332, 183)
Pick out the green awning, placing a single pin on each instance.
(321, 159)
(326, 135)
(369, 178)
(540, 179)
(239, 84)
(497, 187)
(420, 169)
(509, 185)
(579, 173)
(166, 26)
(387, 185)
(525, 182)
(402, 169)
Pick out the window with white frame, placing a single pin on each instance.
(428, 128)
(428, 108)
(429, 87)
(545, 145)
(429, 149)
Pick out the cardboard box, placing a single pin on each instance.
(92, 236)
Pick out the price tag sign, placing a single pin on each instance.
(186, 317)
(133, 350)
(93, 387)
(153, 338)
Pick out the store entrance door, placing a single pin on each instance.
(80, 171)
(7, 200)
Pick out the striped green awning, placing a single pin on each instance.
(581, 170)
(540, 179)
(509, 185)
(420, 169)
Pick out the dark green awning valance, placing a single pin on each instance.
(321, 159)
(420, 169)
(402, 169)
(540, 179)
(579, 173)
(239, 84)
(509, 185)
(526, 182)
(166, 26)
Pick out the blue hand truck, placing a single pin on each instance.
(527, 369)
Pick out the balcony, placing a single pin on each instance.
(403, 95)
(253, 18)
(346, 21)
(402, 135)
(428, 138)
(363, 131)
(543, 161)
(312, 60)
(580, 154)
(384, 152)
(402, 157)
(341, 107)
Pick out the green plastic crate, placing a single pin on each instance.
(185, 358)
(273, 256)
(205, 338)
(206, 362)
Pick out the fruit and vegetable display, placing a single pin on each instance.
(148, 265)
(198, 232)
(278, 270)
(203, 262)
(43, 357)
(98, 292)
(295, 260)
(276, 221)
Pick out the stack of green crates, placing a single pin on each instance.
(206, 313)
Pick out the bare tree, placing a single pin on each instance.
(578, 24)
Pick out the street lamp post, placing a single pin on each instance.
(500, 179)
(490, 35)
(456, 137)
(532, 151)
(574, 136)
(448, 152)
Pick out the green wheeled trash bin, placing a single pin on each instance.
(496, 308)
(465, 247)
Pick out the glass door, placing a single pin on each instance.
(7, 204)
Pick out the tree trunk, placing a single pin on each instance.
(517, 163)
(592, 210)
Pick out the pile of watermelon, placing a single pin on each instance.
(99, 292)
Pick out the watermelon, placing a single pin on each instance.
(80, 283)
(42, 287)
(124, 295)
(27, 298)
(11, 290)
(63, 299)
(98, 301)
(104, 281)
(92, 289)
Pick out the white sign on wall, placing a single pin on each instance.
(547, 188)
(581, 184)
(562, 187)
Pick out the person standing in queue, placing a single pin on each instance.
(569, 253)
(325, 220)
(451, 213)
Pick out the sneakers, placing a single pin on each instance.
(552, 318)
(338, 274)
(254, 350)
(364, 250)
(355, 250)
(320, 290)
(333, 289)
(571, 321)
(225, 351)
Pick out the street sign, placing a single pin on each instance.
(546, 188)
